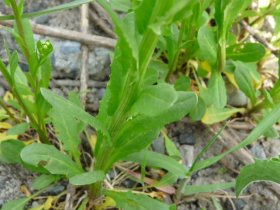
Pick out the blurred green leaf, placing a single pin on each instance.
(50, 158)
(157, 160)
(199, 110)
(17, 204)
(11, 150)
(130, 201)
(217, 90)
(245, 81)
(68, 107)
(87, 178)
(18, 129)
(121, 5)
(183, 83)
(45, 180)
(50, 10)
(246, 52)
(261, 170)
(171, 148)
(214, 115)
(154, 100)
(193, 189)
(208, 44)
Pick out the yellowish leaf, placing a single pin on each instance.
(8, 96)
(25, 190)
(109, 202)
(92, 141)
(48, 203)
(206, 66)
(4, 125)
(158, 195)
(231, 78)
(4, 137)
(214, 115)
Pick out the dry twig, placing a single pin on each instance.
(102, 24)
(83, 38)
(102, 14)
(69, 82)
(258, 37)
(85, 53)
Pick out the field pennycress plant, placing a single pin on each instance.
(139, 100)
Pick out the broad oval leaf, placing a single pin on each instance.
(11, 150)
(217, 90)
(87, 178)
(193, 189)
(261, 170)
(17, 204)
(130, 201)
(18, 129)
(245, 81)
(44, 181)
(208, 44)
(214, 115)
(246, 52)
(158, 160)
(154, 100)
(50, 158)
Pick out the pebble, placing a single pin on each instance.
(128, 183)
(101, 93)
(54, 190)
(235, 97)
(42, 19)
(186, 138)
(69, 47)
(2, 91)
(158, 145)
(187, 154)
(258, 151)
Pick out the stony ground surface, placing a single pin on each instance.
(189, 137)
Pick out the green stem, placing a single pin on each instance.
(12, 117)
(41, 133)
(221, 57)
(40, 126)
(176, 56)
(20, 29)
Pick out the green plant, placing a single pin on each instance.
(139, 101)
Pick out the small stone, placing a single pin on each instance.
(238, 203)
(158, 145)
(2, 91)
(187, 154)
(55, 190)
(112, 174)
(186, 138)
(235, 97)
(42, 19)
(128, 183)
(258, 151)
(101, 93)
(58, 91)
(69, 47)
(34, 204)
(24, 67)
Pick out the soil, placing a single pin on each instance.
(189, 137)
